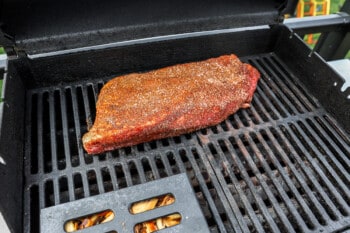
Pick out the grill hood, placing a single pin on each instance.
(40, 26)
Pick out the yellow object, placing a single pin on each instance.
(312, 8)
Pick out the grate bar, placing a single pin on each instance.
(326, 164)
(311, 195)
(319, 172)
(154, 169)
(256, 114)
(238, 121)
(167, 166)
(85, 184)
(297, 91)
(53, 138)
(330, 122)
(295, 81)
(299, 179)
(77, 126)
(95, 160)
(88, 115)
(41, 200)
(338, 157)
(322, 175)
(95, 90)
(39, 130)
(247, 119)
(164, 164)
(207, 194)
(271, 100)
(140, 170)
(283, 218)
(182, 167)
(260, 105)
(56, 196)
(266, 102)
(65, 129)
(70, 188)
(113, 177)
(284, 90)
(235, 183)
(260, 203)
(117, 186)
(274, 98)
(242, 195)
(281, 171)
(290, 98)
(126, 170)
(272, 84)
(99, 181)
(334, 141)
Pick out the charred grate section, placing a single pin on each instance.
(280, 166)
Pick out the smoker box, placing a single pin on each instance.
(280, 166)
(53, 218)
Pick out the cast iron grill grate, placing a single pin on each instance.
(281, 165)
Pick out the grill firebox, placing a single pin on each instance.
(281, 165)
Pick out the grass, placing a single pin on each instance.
(348, 55)
(336, 5)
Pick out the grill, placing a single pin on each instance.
(282, 165)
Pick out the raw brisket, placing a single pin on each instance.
(170, 101)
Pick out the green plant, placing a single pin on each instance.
(336, 5)
(348, 55)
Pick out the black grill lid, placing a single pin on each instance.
(39, 26)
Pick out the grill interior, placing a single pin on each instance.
(281, 165)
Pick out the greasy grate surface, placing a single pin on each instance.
(281, 165)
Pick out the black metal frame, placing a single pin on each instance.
(291, 113)
(306, 140)
(334, 42)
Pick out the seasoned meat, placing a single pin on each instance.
(170, 101)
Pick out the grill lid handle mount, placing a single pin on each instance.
(41, 26)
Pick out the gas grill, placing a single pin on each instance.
(281, 165)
